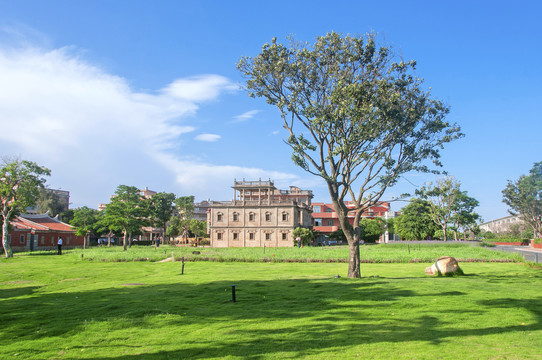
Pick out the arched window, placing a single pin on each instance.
(235, 216)
(251, 216)
(284, 216)
(267, 216)
(219, 216)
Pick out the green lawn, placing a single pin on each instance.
(402, 252)
(62, 307)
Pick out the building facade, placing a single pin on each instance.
(41, 232)
(326, 221)
(501, 225)
(259, 215)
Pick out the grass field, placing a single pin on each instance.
(402, 252)
(63, 307)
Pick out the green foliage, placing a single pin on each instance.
(338, 235)
(439, 234)
(181, 223)
(488, 235)
(127, 212)
(354, 116)
(415, 222)
(49, 201)
(20, 184)
(371, 229)
(305, 235)
(161, 209)
(524, 197)
(86, 221)
(451, 208)
(198, 228)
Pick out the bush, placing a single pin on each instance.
(486, 244)
(205, 242)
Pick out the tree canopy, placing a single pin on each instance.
(127, 211)
(20, 184)
(86, 221)
(356, 117)
(524, 197)
(415, 222)
(161, 209)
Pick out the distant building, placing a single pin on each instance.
(63, 199)
(326, 220)
(201, 209)
(501, 225)
(259, 215)
(41, 232)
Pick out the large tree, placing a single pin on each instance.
(442, 197)
(356, 117)
(161, 209)
(86, 221)
(181, 222)
(20, 184)
(127, 211)
(464, 217)
(415, 222)
(524, 197)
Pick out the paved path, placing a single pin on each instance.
(529, 254)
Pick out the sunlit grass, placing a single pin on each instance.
(54, 307)
(382, 253)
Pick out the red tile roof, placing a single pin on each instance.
(41, 222)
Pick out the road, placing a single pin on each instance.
(529, 254)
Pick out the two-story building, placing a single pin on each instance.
(326, 221)
(259, 215)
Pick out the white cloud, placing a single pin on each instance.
(199, 88)
(208, 137)
(246, 116)
(95, 132)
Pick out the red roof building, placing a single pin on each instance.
(326, 221)
(41, 232)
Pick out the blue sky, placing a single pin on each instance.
(146, 93)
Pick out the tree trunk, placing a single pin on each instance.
(5, 242)
(125, 240)
(354, 260)
(445, 233)
(130, 240)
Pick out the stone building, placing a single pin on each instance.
(259, 215)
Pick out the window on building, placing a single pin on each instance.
(284, 216)
(235, 236)
(267, 236)
(328, 209)
(235, 216)
(219, 236)
(317, 209)
(22, 239)
(219, 217)
(317, 222)
(251, 236)
(251, 217)
(267, 217)
(329, 222)
(284, 236)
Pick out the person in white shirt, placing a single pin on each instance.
(59, 243)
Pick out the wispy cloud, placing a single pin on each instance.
(95, 132)
(245, 116)
(208, 137)
(199, 88)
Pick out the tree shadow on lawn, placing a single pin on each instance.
(300, 316)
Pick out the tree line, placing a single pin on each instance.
(22, 185)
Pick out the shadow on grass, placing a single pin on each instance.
(305, 317)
